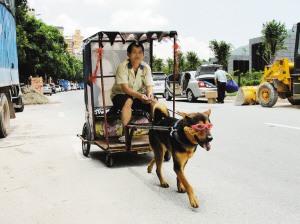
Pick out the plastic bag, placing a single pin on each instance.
(231, 86)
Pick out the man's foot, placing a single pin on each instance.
(121, 139)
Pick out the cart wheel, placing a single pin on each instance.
(167, 156)
(86, 134)
(109, 161)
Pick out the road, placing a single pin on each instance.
(250, 175)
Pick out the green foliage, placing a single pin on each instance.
(221, 51)
(42, 51)
(193, 62)
(273, 35)
(158, 64)
(249, 79)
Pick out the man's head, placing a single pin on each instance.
(135, 52)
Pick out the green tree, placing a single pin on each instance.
(158, 64)
(273, 35)
(192, 61)
(180, 62)
(221, 51)
(170, 65)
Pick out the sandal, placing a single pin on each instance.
(122, 139)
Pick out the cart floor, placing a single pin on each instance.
(138, 143)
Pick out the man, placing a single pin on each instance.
(220, 80)
(128, 90)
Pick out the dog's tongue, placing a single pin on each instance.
(207, 146)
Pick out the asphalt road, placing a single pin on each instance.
(250, 175)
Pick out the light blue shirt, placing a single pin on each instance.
(221, 75)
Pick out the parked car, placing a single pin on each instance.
(78, 87)
(47, 89)
(62, 88)
(73, 87)
(192, 84)
(159, 82)
(52, 85)
(57, 88)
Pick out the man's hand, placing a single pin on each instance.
(145, 99)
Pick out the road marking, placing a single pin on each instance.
(284, 126)
(61, 114)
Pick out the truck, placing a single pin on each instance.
(64, 83)
(81, 84)
(282, 80)
(11, 99)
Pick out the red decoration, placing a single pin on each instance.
(93, 77)
(176, 52)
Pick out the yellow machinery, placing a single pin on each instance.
(282, 80)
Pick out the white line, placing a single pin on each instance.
(61, 114)
(284, 126)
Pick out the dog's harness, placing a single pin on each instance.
(174, 134)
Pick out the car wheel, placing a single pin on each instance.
(168, 97)
(190, 96)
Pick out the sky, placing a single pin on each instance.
(197, 22)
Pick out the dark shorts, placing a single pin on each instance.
(120, 99)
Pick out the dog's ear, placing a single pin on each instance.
(207, 112)
(186, 117)
(183, 114)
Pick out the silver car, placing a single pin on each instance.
(47, 89)
(159, 82)
(192, 84)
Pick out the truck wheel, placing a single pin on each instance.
(292, 101)
(190, 96)
(168, 97)
(267, 94)
(4, 116)
(22, 107)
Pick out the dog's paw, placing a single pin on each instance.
(194, 202)
(181, 189)
(149, 169)
(165, 184)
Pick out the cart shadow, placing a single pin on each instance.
(122, 160)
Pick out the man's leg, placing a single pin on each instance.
(126, 113)
(223, 88)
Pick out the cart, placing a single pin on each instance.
(102, 53)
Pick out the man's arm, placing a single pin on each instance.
(229, 75)
(134, 94)
(216, 83)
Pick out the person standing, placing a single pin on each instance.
(220, 81)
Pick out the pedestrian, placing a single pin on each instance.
(220, 81)
(133, 76)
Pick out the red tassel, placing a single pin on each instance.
(93, 77)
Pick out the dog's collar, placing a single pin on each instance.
(176, 136)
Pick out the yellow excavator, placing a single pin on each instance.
(282, 80)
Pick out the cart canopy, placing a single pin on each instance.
(129, 36)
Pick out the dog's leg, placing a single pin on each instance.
(180, 159)
(180, 186)
(159, 158)
(150, 166)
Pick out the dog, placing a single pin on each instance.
(181, 143)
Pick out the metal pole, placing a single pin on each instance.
(174, 78)
(103, 98)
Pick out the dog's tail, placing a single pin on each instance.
(159, 112)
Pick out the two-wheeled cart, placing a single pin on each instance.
(102, 53)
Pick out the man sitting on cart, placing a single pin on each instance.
(132, 76)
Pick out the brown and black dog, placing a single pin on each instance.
(181, 144)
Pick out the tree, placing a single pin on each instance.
(192, 61)
(221, 51)
(273, 35)
(170, 65)
(158, 64)
(180, 62)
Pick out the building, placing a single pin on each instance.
(247, 58)
(74, 44)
